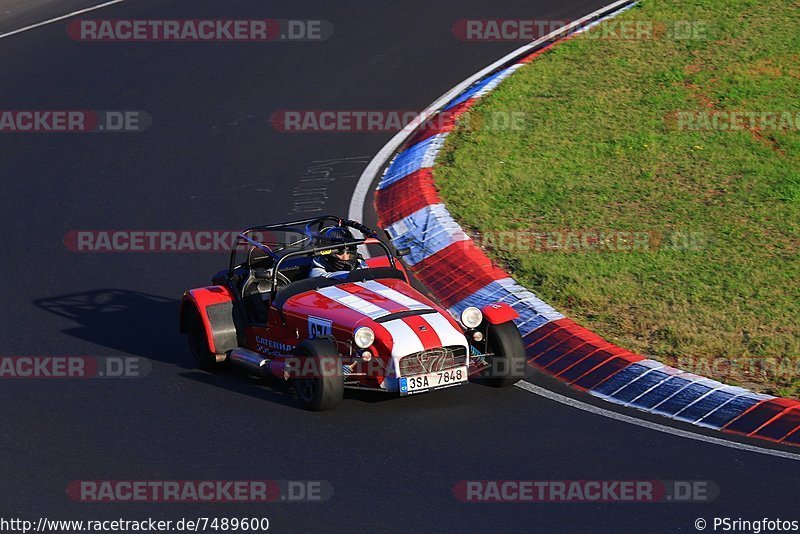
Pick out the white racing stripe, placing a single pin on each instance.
(393, 295)
(62, 17)
(448, 335)
(406, 341)
(353, 302)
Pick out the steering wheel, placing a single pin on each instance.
(281, 279)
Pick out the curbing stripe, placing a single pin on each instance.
(727, 412)
(422, 155)
(452, 278)
(601, 373)
(405, 197)
(425, 232)
(629, 375)
(533, 311)
(483, 87)
(792, 438)
(778, 428)
(446, 261)
(444, 123)
(764, 412)
(581, 368)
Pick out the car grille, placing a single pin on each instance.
(433, 360)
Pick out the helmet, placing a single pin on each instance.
(336, 260)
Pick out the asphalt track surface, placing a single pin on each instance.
(212, 161)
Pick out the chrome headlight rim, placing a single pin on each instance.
(364, 337)
(471, 317)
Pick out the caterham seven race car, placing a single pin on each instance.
(275, 311)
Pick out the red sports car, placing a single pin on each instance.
(285, 309)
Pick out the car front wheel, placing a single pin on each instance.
(198, 342)
(507, 360)
(320, 385)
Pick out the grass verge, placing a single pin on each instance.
(615, 200)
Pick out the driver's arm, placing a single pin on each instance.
(317, 270)
(322, 273)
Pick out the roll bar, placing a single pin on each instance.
(371, 238)
(319, 250)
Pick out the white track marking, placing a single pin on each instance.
(62, 17)
(568, 401)
(369, 175)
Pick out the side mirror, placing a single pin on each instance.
(400, 252)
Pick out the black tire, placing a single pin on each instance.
(325, 389)
(198, 340)
(507, 364)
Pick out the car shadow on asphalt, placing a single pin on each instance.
(146, 325)
(271, 388)
(230, 379)
(128, 321)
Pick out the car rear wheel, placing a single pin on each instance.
(507, 362)
(198, 341)
(320, 385)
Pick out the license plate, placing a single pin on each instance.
(436, 380)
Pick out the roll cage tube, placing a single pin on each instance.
(244, 237)
(254, 244)
(368, 232)
(371, 238)
(319, 250)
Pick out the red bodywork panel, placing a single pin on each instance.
(313, 303)
(499, 313)
(404, 322)
(201, 298)
(338, 310)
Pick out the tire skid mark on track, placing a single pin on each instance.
(310, 193)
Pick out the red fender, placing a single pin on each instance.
(207, 300)
(499, 313)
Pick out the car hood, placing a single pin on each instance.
(405, 322)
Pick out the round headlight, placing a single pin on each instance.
(364, 337)
(471, 317)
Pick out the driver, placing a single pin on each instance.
(339, 262)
